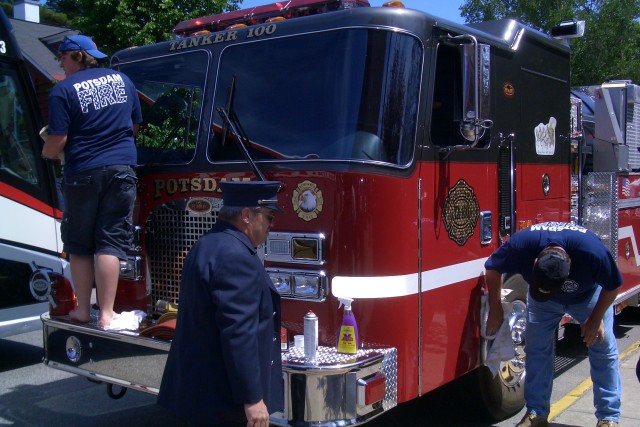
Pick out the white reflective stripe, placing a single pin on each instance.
(451, 274)
(23, 320)
(398, 286)
(374, 287)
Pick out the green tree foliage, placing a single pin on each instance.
(117, 24)
(171, 123)
(71, 8)
(7, 8)
(610, 48)
(49, 17)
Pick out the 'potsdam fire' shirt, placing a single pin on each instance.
(96, 108)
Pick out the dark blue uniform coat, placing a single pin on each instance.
(226, 348)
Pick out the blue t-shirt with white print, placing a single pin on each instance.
(591, 262)
(96, 108)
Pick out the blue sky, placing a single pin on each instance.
(448, 9)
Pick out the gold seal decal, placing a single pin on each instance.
(199, 206)
(460, 212)
(307, 200)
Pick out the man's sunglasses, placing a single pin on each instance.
(268, 215)
(65, 41)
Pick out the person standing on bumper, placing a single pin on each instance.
(94, 115)
(224, 367)
(569, 271)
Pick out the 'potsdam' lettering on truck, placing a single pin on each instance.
(172, 186)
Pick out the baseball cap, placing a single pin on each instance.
(549, 272)
(251, 194)
(80, 42)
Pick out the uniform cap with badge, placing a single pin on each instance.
(251, 194)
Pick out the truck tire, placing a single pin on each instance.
(503, 394)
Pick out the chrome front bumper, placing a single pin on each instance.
(338, 390)
(121, 358)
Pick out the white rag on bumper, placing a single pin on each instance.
(500, 346)
(126, 321)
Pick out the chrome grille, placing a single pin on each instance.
(633, 133)
(600, 208)
(171, 231)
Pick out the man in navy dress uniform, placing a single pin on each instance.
(224, 366)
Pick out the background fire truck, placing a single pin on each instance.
(605, 178)
(29, 207)
(409, 148)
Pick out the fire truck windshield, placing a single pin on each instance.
(341, 95)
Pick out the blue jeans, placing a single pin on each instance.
(542, 320)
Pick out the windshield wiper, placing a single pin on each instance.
(232, 123)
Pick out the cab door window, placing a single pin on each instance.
(18, 155)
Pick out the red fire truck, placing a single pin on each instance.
(409, 147)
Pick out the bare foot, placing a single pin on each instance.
(80, 317)
(105, 319)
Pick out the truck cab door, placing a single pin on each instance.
(29, 231)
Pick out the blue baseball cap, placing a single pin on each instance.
(251, 194)
(551, 269)
(80, 42)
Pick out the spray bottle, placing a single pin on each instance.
(348, 334)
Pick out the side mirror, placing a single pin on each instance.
(568, 30)
(475, 60)
(475, 86)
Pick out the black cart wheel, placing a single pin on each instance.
(114, 395)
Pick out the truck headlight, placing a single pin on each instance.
(296, 248)
(308, 285)
(282, 282)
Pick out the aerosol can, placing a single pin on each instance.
(310, 336)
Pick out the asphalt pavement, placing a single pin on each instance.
(576, 409)
(21, 319)
(570, 409)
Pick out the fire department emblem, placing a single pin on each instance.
(460, 212)
(307, 200)
(199, 206)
